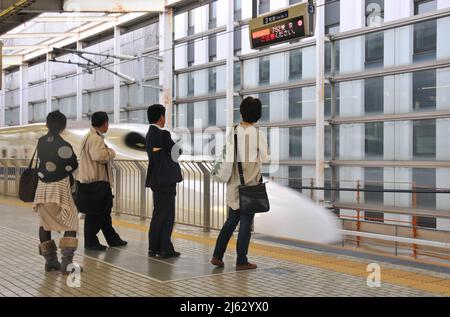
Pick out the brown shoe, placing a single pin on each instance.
(215, 261)
(248, 266)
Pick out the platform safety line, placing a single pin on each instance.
(418, 281)
(89, 257)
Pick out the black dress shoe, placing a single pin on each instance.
(97, 247)
(166, 255)
(119, 243)
(153, 253)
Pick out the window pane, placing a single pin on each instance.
(425, 40)
(424, 6)
(374, 12)
(212, 112)
(295, 143)
(212, 47)
(237, 74)
(424, 139)
(424, 90)
(265, 101)
(191, 53)
(374, 140)
(190, 115)
(373, 180)
(425, 178)
(374, 95)
(295, 103)
(328, 99)
(295, 177)
(237, 40)
(212, 15)
(264, 6)
(328, 57)
(332, 16)
(295, 64)
(374, 50)
(212, 79)
(264, 69)
(190, 83)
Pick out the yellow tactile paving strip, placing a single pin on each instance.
(415, 280)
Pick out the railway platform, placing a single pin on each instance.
(285, 268)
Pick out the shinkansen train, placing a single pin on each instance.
(292, 215)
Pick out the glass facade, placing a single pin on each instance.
(390, 91)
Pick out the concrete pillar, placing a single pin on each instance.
(230, 64)
(117, 32)
(23, 112)
(48, 85)
(2, 100)
(166, 67)
(79, 86)
(320, 102)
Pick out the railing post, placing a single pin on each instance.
(5, 178)
(206, 197)
(358, 211)
(311, 183)
(117, 184)
(16, 192)
(414, 219)
(143, 189)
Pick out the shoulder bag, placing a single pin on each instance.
(252, 198)
(28, 182)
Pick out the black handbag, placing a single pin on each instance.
(93, 198)
(29, 182)
(252, 198)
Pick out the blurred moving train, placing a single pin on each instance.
(292, 215)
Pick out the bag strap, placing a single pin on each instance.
(32, 159)
(237, 157)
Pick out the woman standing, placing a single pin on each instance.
(253, 151)
(53, 201)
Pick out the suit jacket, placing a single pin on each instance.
(158, 138)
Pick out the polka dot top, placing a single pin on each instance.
(57, 159)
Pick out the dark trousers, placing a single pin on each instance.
(243, 241)
(93, 223)
(163, 218)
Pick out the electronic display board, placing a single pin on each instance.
(277, 27)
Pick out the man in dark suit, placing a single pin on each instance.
(162, 175)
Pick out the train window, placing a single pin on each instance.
(135, 141)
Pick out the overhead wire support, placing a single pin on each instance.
(80, 54)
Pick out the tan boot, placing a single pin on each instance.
(68, 245)
(48, 250)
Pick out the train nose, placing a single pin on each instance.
(135, 141)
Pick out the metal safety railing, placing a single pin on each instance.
(200, 200)
(382, 227)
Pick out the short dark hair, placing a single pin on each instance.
(56, 122)
(99, 118)
(251, 109)
(154, 112)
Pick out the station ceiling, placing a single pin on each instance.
(29, 29)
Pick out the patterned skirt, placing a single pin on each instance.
(55, 206)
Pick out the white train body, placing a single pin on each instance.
(292, 215)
